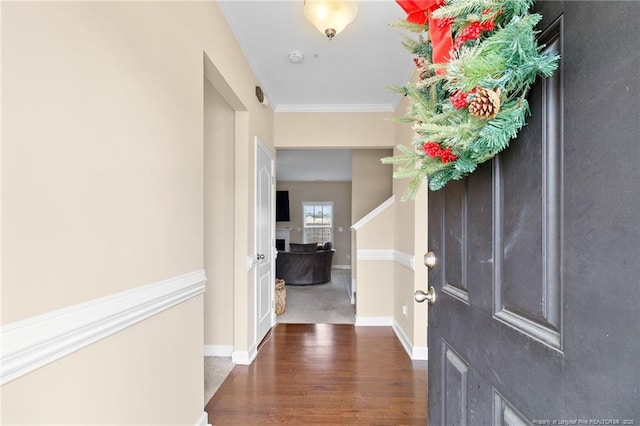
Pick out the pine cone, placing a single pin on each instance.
(486, 104)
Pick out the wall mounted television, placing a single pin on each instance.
(282, 206)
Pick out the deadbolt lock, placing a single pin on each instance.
(429, 259)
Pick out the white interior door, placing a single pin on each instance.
(264, 242)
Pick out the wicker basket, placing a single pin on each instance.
(281, 297)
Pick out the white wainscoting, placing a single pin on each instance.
(37, 341)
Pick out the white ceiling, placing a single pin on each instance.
(313, 165)
(351, 73)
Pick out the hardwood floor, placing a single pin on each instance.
(325, 374)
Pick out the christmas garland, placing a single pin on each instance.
(477, 60)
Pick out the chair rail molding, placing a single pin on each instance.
(37, 341)
(405, 259)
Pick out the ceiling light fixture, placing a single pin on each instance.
(330, 16)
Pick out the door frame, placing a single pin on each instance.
(260, 146)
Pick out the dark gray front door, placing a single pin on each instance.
(537, 318)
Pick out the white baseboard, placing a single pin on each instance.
(203, 420)
(345, 267)
(373, 321)
(37, 341)
(420, 353)
(415, 353)
(244, 357)
(218, 350)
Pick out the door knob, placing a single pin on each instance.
(430, 296)
(430, 259)
(260, 256)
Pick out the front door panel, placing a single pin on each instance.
(538, 279)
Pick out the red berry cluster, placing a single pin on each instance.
(473, 31)
(488, 26)
(419, 62)
(459, 99)
(433, 149)
(445, 22)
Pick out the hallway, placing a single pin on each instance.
(327, 303)
(325, 374)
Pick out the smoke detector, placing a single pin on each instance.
(296, 57)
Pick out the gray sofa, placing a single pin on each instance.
(305, 264)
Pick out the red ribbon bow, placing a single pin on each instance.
(439, 31)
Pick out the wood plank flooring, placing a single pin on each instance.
(309, 374)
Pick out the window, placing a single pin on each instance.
(317, 221)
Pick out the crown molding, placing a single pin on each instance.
(248, 54)
(334, 108)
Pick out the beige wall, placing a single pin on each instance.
(411, 238)
(337, 192)
(375, 289)
(371, 181)
(143, 375)
(219, 208)
(375, 280)
(102, 191)
(420, 277)
(384, 287)
(232, 77)
(371, 186)
(340, 130)
(102, 164)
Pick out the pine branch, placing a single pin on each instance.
(464, 8)
(507, 58)
(412, 189)
(411, 26)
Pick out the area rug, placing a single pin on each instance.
(328, 303)
(216, 369)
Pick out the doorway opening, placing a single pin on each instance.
(352, 182)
